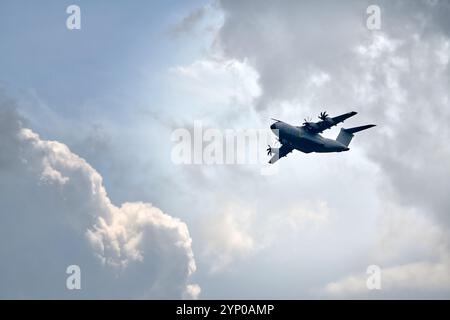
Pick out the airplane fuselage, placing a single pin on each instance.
(301, 139)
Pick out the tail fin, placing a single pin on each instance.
(346, 135)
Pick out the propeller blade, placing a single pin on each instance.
(323, 115)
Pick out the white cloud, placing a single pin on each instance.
(413, 253)
(408, 234)
(307, 215)
(241, 231)
(228, 237)
(55, 206)
(219, 81)
(419, 276)
(192, 291)
(379, 44)
(319, 79)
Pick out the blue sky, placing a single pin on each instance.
(105, 75)
(117, 44)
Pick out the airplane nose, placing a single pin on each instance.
(273, 126)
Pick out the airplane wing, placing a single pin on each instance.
(343, 117)
(281, 152)
(327, 123)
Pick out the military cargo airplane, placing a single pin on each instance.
(306, 138)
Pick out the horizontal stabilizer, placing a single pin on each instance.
(361, 128)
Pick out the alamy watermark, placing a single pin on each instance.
(374, 279)
(73, 281)
(73, 21)
(211, 146)
(373, 21)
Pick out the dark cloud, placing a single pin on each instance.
(398, 82)
(189, 22)
(397, 77)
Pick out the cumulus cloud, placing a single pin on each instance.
(192, 291)
(56, 212)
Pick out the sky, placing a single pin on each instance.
(87, 119)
